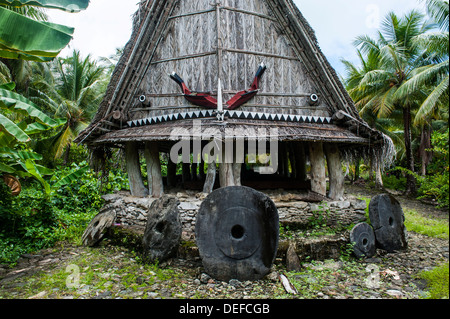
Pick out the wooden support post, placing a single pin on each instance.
(137, 186)
(186, 172)
(210, 178)
(318, 176)
(292, 159)
(300, 161)
(171, 173)
(237, 169)
(335, 173)
(155, 181)
(194, 167)
(202, 170)
(239, 157)
(226, 174)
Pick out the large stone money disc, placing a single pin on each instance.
(237, 233)
(388, 222)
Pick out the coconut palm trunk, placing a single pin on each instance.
(411, 184)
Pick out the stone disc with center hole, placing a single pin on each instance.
(363, 239)
(387, 218)
(237, 233)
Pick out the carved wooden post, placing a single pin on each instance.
(335, 173)
(318, 177)
(137, 186)
(155, 181)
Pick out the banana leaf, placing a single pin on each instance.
(66, 5)
(19, 155)
(22, 56)
(44, 170)
(34, 171)
(37, 127)
(7, 169)
(8, 86)
(11, 128)
(10, 100)
(23, 36)
(68, 179)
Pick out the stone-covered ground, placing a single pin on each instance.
(112, 271)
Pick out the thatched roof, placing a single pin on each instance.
(187, 36)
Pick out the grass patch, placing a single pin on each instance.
(437, 279)
(432, 227)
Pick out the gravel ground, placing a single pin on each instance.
(114, 272)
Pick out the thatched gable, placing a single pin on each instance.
(203, 41)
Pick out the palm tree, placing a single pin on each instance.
(435, 75)
(398, 60)
(388, 126)
(431, 80)
(74, 93)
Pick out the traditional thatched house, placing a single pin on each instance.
(279, 86)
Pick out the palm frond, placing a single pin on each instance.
(438, 10)
(430, 103)
(423, 76)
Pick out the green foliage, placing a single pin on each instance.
(432, 227)
(394, 182)
(436, 184)
(33, 220)
(438, 279)
(46, 39)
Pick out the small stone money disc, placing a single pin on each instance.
(363, 238)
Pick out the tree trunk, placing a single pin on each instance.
(411, 186)
(67, 155)
(334, 172)
(425, 145)
(155, 181)
(357, 169)
(137, 186)
(378, 176)
(318, 177)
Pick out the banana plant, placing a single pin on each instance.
(16, 157)
(66, 5)
(28, 39)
